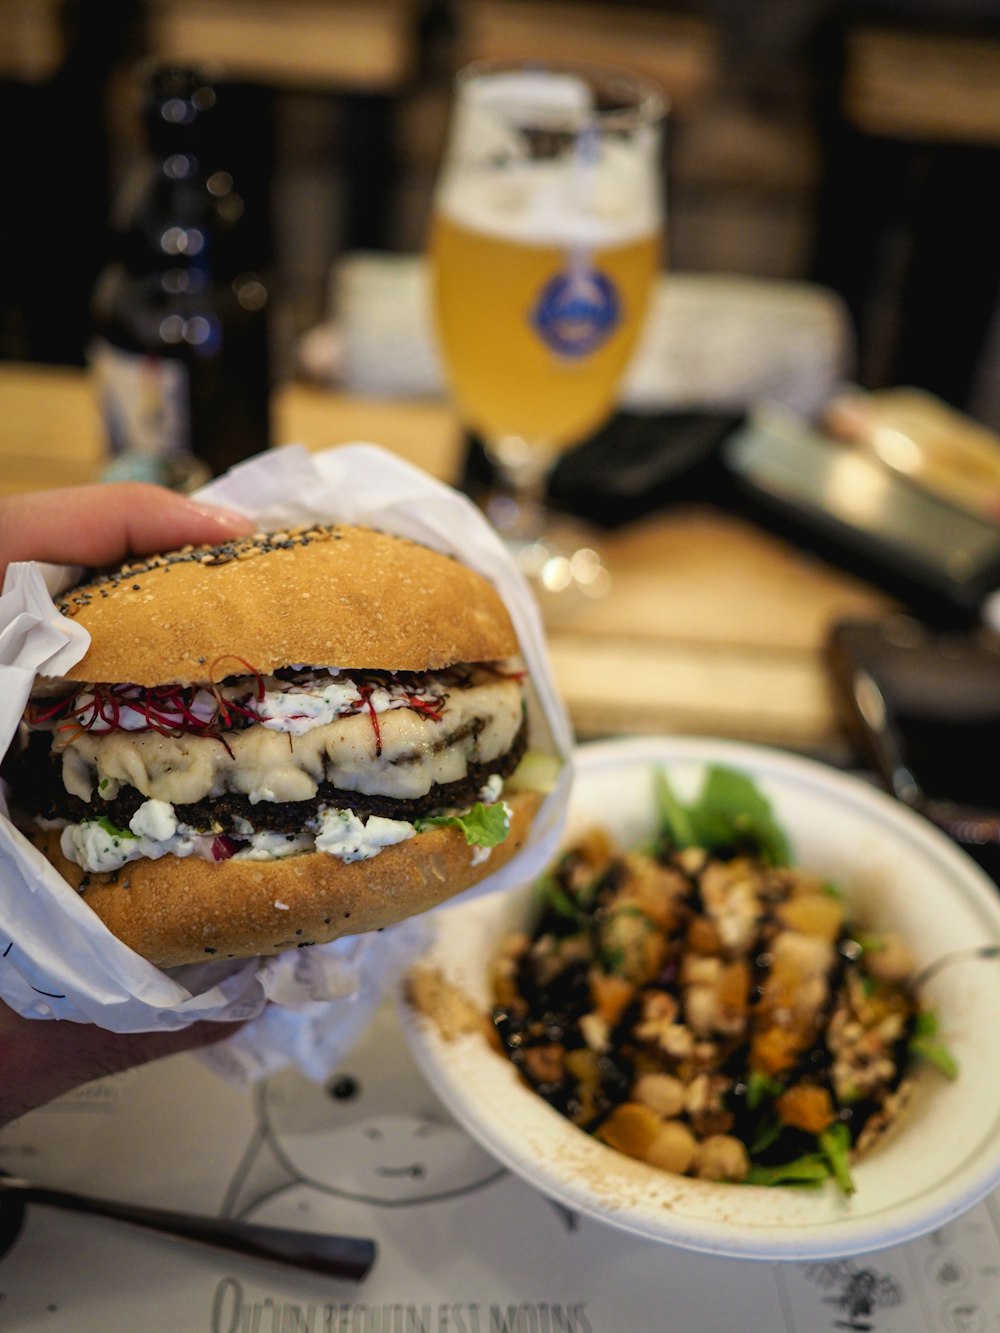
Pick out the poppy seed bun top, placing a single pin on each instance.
(336, 596)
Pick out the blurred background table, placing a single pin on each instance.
(714, 627)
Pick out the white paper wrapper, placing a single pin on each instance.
(57, 960)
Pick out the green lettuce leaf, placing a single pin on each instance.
(483, 825)
(729, 812)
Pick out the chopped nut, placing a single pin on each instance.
(673, 1148)
(630, 1128)
(662, 1093)
(596, 1031)
(721, 1157)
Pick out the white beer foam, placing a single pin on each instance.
(529, 94)
(602, 192)
(558, 202)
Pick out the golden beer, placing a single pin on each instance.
(508, 376)
(545, 240)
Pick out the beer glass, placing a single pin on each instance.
(546, 237)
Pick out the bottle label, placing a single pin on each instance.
(144, 402)
(577, 310)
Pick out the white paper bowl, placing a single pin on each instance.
(896, 871)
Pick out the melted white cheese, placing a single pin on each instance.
(476, 725)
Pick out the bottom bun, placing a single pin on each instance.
(178, 910)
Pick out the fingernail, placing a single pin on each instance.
(232, 518)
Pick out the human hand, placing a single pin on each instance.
(94, 525)
(105, 523)
(42, 1058)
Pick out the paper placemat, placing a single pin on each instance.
(464, 1246)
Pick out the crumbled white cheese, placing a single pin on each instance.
(97, 845)
(342, 834)
(154, 819)
(155, 831)
(274, 846)
(296, 710)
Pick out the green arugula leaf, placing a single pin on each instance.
(812, 1169)
(768, 1132)
(923, 1045)
(673, 817)
(483, 825)
(835, 1146)
(731, 810)
(762, 1087)
(869, 942)
(555, 896)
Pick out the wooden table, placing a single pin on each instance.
(713, 627)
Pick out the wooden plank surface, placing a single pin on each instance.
(681, 52)
(334, 45)
(931, 86)
(713, 627)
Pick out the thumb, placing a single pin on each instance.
(43, 1058)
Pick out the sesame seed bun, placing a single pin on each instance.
(326, 596)
(341, 597)
(174, 911)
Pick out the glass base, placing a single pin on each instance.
(557, 555)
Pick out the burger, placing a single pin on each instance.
(278, 741)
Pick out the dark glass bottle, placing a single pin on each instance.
(181, 347)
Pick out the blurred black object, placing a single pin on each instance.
(924, 711)
(634, 465)
(782, 475)
(848, 507)
(181, 352)
(57, 178)
(906, 211)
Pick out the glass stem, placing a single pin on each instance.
(522, 468)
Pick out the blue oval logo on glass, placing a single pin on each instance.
(577, 311)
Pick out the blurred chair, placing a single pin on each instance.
(909, 211)
(32, 42)
(364, 54)
(337, 45)
(56, 57)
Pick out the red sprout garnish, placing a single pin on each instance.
(224, 705)
(35, 715)
(176, 710)
(431, 708)
(366, 691)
